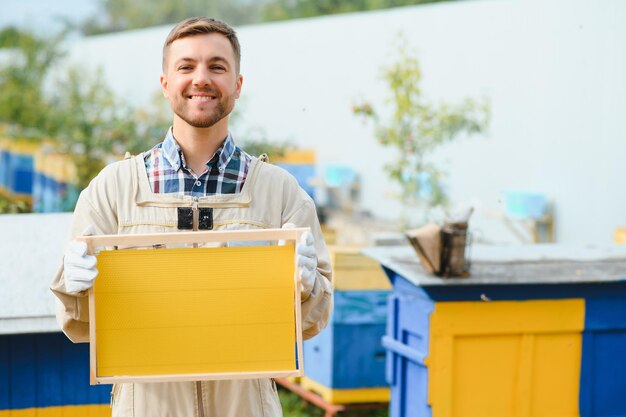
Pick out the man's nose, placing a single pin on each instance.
(201, 78)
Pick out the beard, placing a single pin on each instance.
(207, 118)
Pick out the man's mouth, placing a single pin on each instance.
(201, 97)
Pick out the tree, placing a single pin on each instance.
(28, 59)
(293, 9)
(416, 127)
(118, 15)
(91, 124)
(11, 206)
(78, 112)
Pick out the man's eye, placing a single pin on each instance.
(184, 68)
(218, 68)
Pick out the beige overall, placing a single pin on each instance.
(119, 201)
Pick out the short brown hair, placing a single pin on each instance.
(203, 25)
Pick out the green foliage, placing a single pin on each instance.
(416, 127)
(293, 9)
(132, 14)
(10, 206)
(294, 406)
(254, 140)
(28, 59)
(256, 147)
(118, 15)
(92, 125)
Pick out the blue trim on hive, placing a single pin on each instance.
(44, 370)
(603, 369)
(5, 387)
(408, 328)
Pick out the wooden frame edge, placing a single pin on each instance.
(298, 305)
(195, 377)
(191, 237)
(93, 376)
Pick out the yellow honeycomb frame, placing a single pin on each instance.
(195, 313)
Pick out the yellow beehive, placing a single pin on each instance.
(354, 271)
(295, 156)
(505, 358)
(620, 235)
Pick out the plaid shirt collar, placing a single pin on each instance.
(174, 155)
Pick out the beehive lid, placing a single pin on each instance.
(516, 264)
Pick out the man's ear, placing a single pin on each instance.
(163, 81)
(238, 85)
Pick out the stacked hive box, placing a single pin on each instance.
(301, 164)
(533, 338)
(42, 373)
(47, 375)
(46, 179)
(55, 182)
(345, 363)
(4, 165)
(17, 168)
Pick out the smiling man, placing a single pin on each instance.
(197, 178)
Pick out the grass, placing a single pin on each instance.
(294, 406)
(11, 206)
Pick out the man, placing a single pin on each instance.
(196, 178)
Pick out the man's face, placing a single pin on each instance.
(200, 79)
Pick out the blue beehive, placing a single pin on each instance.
(20, 169)
(301, 164)
(42, 373)
(537, 337)
(54, 185)
(348, 355)
(48, 371)
(524, 204)
(21, 177)
(345, 363)
(4, 165)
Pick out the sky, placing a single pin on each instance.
(43, 15)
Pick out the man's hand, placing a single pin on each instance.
(306, 260)
(79, 267)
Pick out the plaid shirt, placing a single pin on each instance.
(167, 170)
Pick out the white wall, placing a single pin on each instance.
(552, 70)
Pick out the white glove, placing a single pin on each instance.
(79, 267)
(306, 260)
